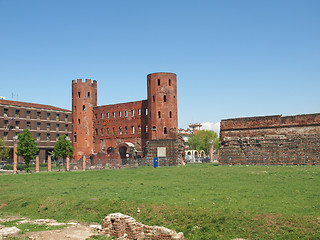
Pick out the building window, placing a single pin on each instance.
(97, 132)
(28, 114)
(38, 136)
(48, 126)
(38, 115)
(48, 116)
(126, 113)
(114, 114)
(75, 108)
(5, 112)
(170, 114)
(88, 94)
(158, 82)
(17, 113)
(66, 127)
(107, 115)
(120, 130)
(78, 94)
(164, 98)
(48, 137)
(96, 116)
(75, 137)
(101, 131)
(132, 129)
(78, 120)
(83, 107)
(159, 114)
(17, 124)
(126, 129)
(146, 111)
(154, 128)
(132, 113)
(153, 98)
(120, 114)
(114, 131)
(38, 125)
(5, 136)
(57, 137)
(66, 117)
(57, 117)
(57, 127)
(139, 112)
(165, 130)
(169, 82)
(139, 128)
(108, 132)
(101, 115)
(28, 125)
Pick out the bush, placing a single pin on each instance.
(10, 167)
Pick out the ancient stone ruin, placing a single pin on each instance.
(272, 140)
(124, 227)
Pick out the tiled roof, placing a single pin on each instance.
(31, 105)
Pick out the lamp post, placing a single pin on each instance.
(15, 157)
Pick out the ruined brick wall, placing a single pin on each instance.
(270, 140)
(174, 151)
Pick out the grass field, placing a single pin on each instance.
(202, 201)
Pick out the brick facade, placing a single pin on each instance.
(271, 140)
(122, 130)
(46, 123)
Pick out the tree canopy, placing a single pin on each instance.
(4, 150)
(201, 140)
(27, 147)
(63, 148)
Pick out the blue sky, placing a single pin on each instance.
(233, 58)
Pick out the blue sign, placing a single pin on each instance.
(155, 162)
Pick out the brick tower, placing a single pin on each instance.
(162, 106)
(84, 99)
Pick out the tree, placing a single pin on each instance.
(63, 148)
(27, 147)
(4, 150)
(201, 140)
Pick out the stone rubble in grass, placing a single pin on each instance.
(124, 227)
(7, 231)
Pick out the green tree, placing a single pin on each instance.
(201, 140)
(4, 150)
(63, 148)
(27, 147)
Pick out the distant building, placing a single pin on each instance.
(46, 124)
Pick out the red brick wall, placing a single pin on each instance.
(271, 140)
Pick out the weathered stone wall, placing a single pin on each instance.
(174, 151)
(271, 140)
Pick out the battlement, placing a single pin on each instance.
(86, 81)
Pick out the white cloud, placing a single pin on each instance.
(211, 126)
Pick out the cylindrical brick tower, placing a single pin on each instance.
(162, 106)
(84, 99)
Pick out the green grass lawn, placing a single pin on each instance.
(203, 201)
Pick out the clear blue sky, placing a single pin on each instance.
(233, 57)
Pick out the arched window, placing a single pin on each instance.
(158, 82)
(169, 82)
(159, 114)
(84, 107)
(170, 114)
(165, 130)
(75, 137)
(164, 98)
(153, 98)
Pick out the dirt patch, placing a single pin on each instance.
(3, 205)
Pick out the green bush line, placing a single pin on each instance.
(204, 202)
